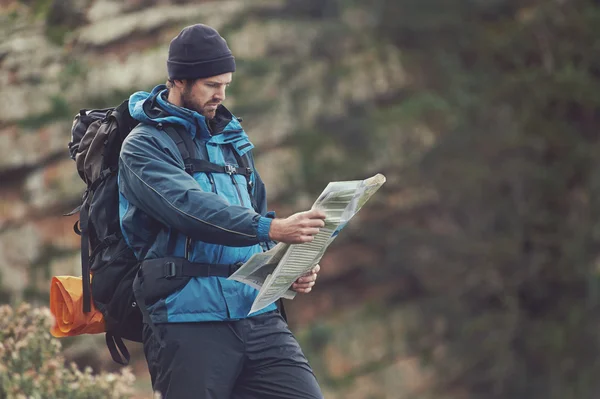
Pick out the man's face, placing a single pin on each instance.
(205, 95)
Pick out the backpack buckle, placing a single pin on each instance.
(233, 268)
(170, 270)
(230, 169)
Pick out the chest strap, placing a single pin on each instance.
(201, 165)
(176, 268)
(188, 152)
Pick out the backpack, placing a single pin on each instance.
(96, 139)
(108, 265)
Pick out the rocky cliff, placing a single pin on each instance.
(318, 92)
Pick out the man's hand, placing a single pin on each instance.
(299, 228)
(305, 283)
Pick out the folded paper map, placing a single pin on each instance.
(273, 272)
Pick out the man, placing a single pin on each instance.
(188, 226)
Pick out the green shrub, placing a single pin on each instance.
(31, 365)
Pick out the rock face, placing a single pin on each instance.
(300, 78)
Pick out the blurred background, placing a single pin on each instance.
(472, 274)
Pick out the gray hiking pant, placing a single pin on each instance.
(254, 358)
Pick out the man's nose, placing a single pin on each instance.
(220, 95)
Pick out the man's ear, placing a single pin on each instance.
(180, 84)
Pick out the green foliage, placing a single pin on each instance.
(318, 336)
(60, 16)
(39, 8)
(311, 8)
(255, 68)
(59, 110)
(505, 258)
(31, 365)
(56, 33)
(516, 172)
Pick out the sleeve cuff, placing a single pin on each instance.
(264, 226)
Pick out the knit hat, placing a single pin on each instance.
(199, 52)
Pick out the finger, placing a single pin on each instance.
(302, 289)
(312, 271)
(310, 231)
(307, 279)
(316, 214)
(304, 239)
(304, 285)
(315, 223)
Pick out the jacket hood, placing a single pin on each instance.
(153, 108)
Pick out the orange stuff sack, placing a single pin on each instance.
(66, 305)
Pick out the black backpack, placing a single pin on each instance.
(96, 139)
(97, 136)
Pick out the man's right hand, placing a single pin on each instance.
(299, 228)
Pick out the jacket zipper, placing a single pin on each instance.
(213, 186)
(188, 245)
(237, 189)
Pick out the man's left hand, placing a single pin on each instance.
(305, 282)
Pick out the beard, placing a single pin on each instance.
(208, 110)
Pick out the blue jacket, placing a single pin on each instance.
(163, 209)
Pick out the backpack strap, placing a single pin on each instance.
(184, 143)
(187, 149)
(85, 253)
(118, 350)
(201, 165)
(244, 162)
(124, 119)
(173, 267)
(281, 309)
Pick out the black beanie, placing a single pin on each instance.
(199, 52)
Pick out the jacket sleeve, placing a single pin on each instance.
(152, 177)
(260, 196)
(260, 193)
